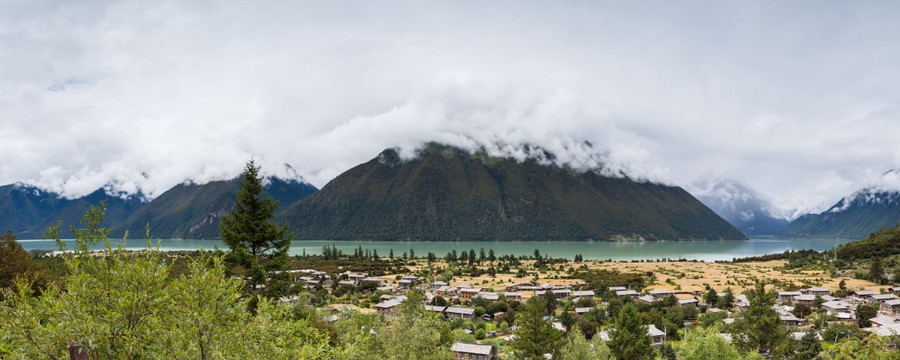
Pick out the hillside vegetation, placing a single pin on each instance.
(445, 193)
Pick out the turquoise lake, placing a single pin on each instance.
(691, 250)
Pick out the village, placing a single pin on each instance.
(482, 309)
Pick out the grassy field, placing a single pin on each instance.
(680, 276)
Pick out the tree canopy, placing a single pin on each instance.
(126, 305)
(256, 243)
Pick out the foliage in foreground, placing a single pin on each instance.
(122, 305)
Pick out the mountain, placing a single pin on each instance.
(883, 243)
(192, 211)
(23, 207)
(446, 193)
(855, 216)
(740, 206)
(28, 211)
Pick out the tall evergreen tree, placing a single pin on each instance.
(761, 330)
(809, 346)
(550, 302)
(876, 271)
(534, 335)
(712, 297)
(865, 313)
(257, 244)
(629, 340)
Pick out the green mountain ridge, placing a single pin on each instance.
(854, 217)
(446, 193)
(27, 210)
(192, 211)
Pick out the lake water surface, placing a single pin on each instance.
(691, 250)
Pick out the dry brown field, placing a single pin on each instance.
(675, 276)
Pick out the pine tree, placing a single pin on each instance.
(865, 313)
(629, 340)
(761, 330)
(534, 335)
(809, 346)
(257, 244)
(876, 271)
(712, 297)
(491, 256)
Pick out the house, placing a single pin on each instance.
(690, 301)
(846, 318)
(805, 299)
(883, 320)
(405, 284)
(880, 299)
(656, 335)
(371, 280)
(453, 312)
(444, 290)
(583, 310)
(355, 278)
(890, 331)
(647, 299)
(616, 288)
(346, 283)
(468, 293)
(561, 294)
(891, 307)
(436, 309)
(438, 284)
(816, 291)
(469, 351)
(388, 307)
(586, 294)
(837, 307)
(787, 296)
(862, 294)
(629, 293)
(790, 321)
(659, 293)
(489, 296)
(513, 295)
(894, 289)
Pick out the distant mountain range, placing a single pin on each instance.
(27, 210)
(192, 211)
(446, 193)
(855, 217)
(187, 210)
(741, 206)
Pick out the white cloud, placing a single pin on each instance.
(797, 102)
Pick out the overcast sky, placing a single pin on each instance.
(798, 100)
